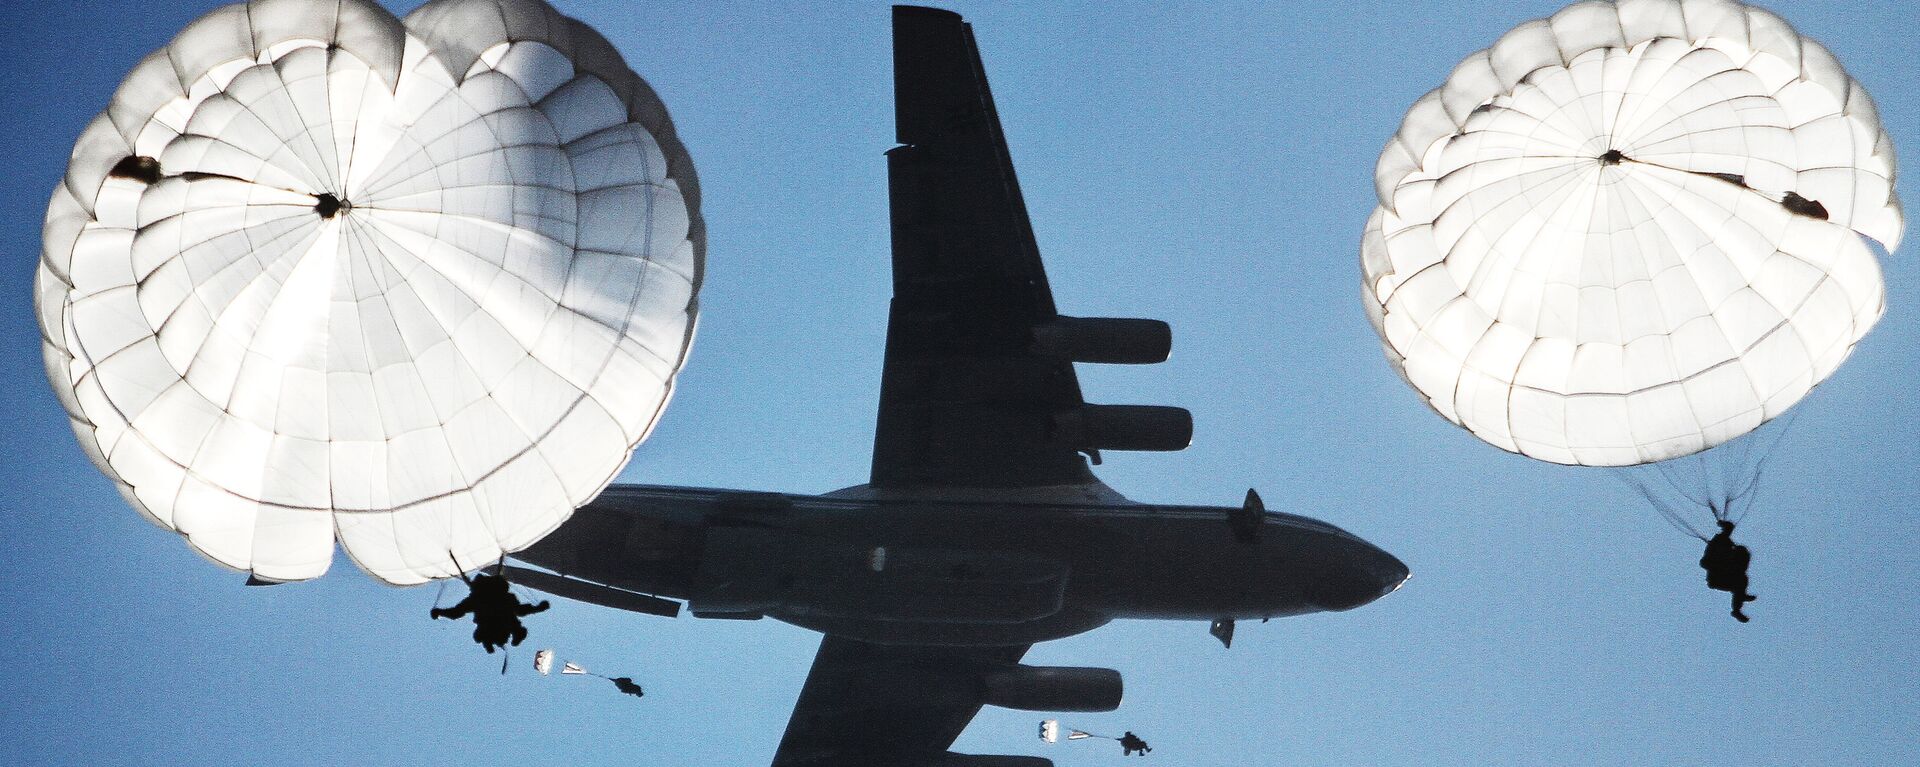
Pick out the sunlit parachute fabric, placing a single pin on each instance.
(421, 285)
(1631, 231)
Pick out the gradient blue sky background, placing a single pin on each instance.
(1209, 165)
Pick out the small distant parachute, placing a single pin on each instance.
(420, 286)
(1050, 732)
(543, 663)
(1630, 232)
(624, 684)
(1130, 743)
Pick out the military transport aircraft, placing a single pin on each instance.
(981, 530)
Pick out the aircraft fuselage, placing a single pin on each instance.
(968, 568)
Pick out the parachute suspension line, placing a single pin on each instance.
(1723, 481)
(1735, 488)
(1670, 471)
(500, 569)
(1673, 516)
(459, 569)
(1737, 475)
(1749, 493)
(1640, 478)
(1717, 487)
(441, 594)
(1747, 501)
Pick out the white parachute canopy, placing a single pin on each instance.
(1631, 231)
(420, 286)
(1050, 732)
(543, 662)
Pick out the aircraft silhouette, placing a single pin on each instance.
(981, 529)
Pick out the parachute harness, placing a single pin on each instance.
(484, 614)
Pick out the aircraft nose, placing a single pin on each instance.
(1389, 573)
(1369, 575)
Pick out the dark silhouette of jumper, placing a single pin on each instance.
(496, 612)
(626, 685)
(1726, 565)
(1131, 743)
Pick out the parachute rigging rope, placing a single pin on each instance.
(1673, 516)
(500, 569)
(1750, 492)
(1719, 494)
(460, 569)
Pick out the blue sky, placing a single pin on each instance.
(1210, 165)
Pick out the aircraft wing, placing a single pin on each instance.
(978, 388)
(886, 705)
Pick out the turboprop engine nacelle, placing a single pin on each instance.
(1053, 688)
(1104, 339)
(1124, 427)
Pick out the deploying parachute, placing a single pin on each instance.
(543, 662)
(1130, 744)
(422, 286)
(1631, 231)
(624, 684)
(1050, 732)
